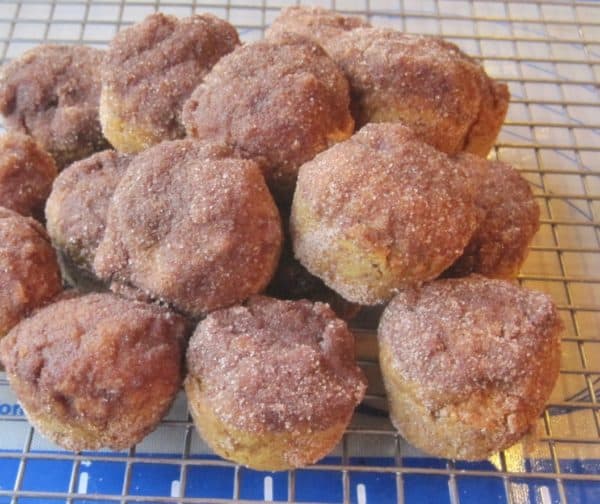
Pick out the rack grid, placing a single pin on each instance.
(549, 54)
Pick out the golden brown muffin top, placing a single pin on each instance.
(29, 273)
(426, 82)
(276, 365)
(319, 24)
(391, 193)
(153, 66)
(191, 226)
(76, 209)
(26, 174)
(454, 337)
(511, 219)
(52, 93)
(277, 102)
(98, 355)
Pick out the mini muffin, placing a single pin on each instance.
(323, 26)
(189, 226)
(424, 82)
(29, 273)
(95, 371)
(52, 93)
(511, 219)
(273, 384)
(26, 175)
(76, 210)
(380, 211)
(277, 102)
(150, 69)
(468, 364)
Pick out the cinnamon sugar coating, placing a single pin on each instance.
(29, 273)
(150, 69)
(425, 82)
(96, 371)
(52, 93)
(190, 226)
(275, 367)
(76, 209)
(468, 363)
(26, 175)
(511, 219)
(316, 23)
(277, 102)
(380, 211)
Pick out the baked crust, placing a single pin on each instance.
(76, 209)
(511, 217)
(95, 371)
(425, 82)
(191, 226)
(277, 102)
(468, 364)
(29, 273)
(275, 379)
(26, 175)
(52, 93)
(150, 69)
(316, 23)
(380, 211)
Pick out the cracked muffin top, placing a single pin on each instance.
(455, 337)
(52, 92)
(425, 82)
(151, 68)
(278, 102)
(96, 370)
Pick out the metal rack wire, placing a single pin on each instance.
(549, 53)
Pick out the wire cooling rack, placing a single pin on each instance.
(549, 53)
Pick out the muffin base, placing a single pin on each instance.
(266, 451)
(469, 430)
(76, 433)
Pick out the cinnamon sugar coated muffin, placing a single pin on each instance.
(95, 371)
(424, 82)
(267, 192)
(150, 69)
(76, 209)
(319, 24)
(273, 384)
(26, 175)
(29, 273)
(380, 211)
(192, 227)
(468, 364)
(511, 219)
(277, 102)
(52, 93)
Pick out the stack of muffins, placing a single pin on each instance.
(253, 190)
